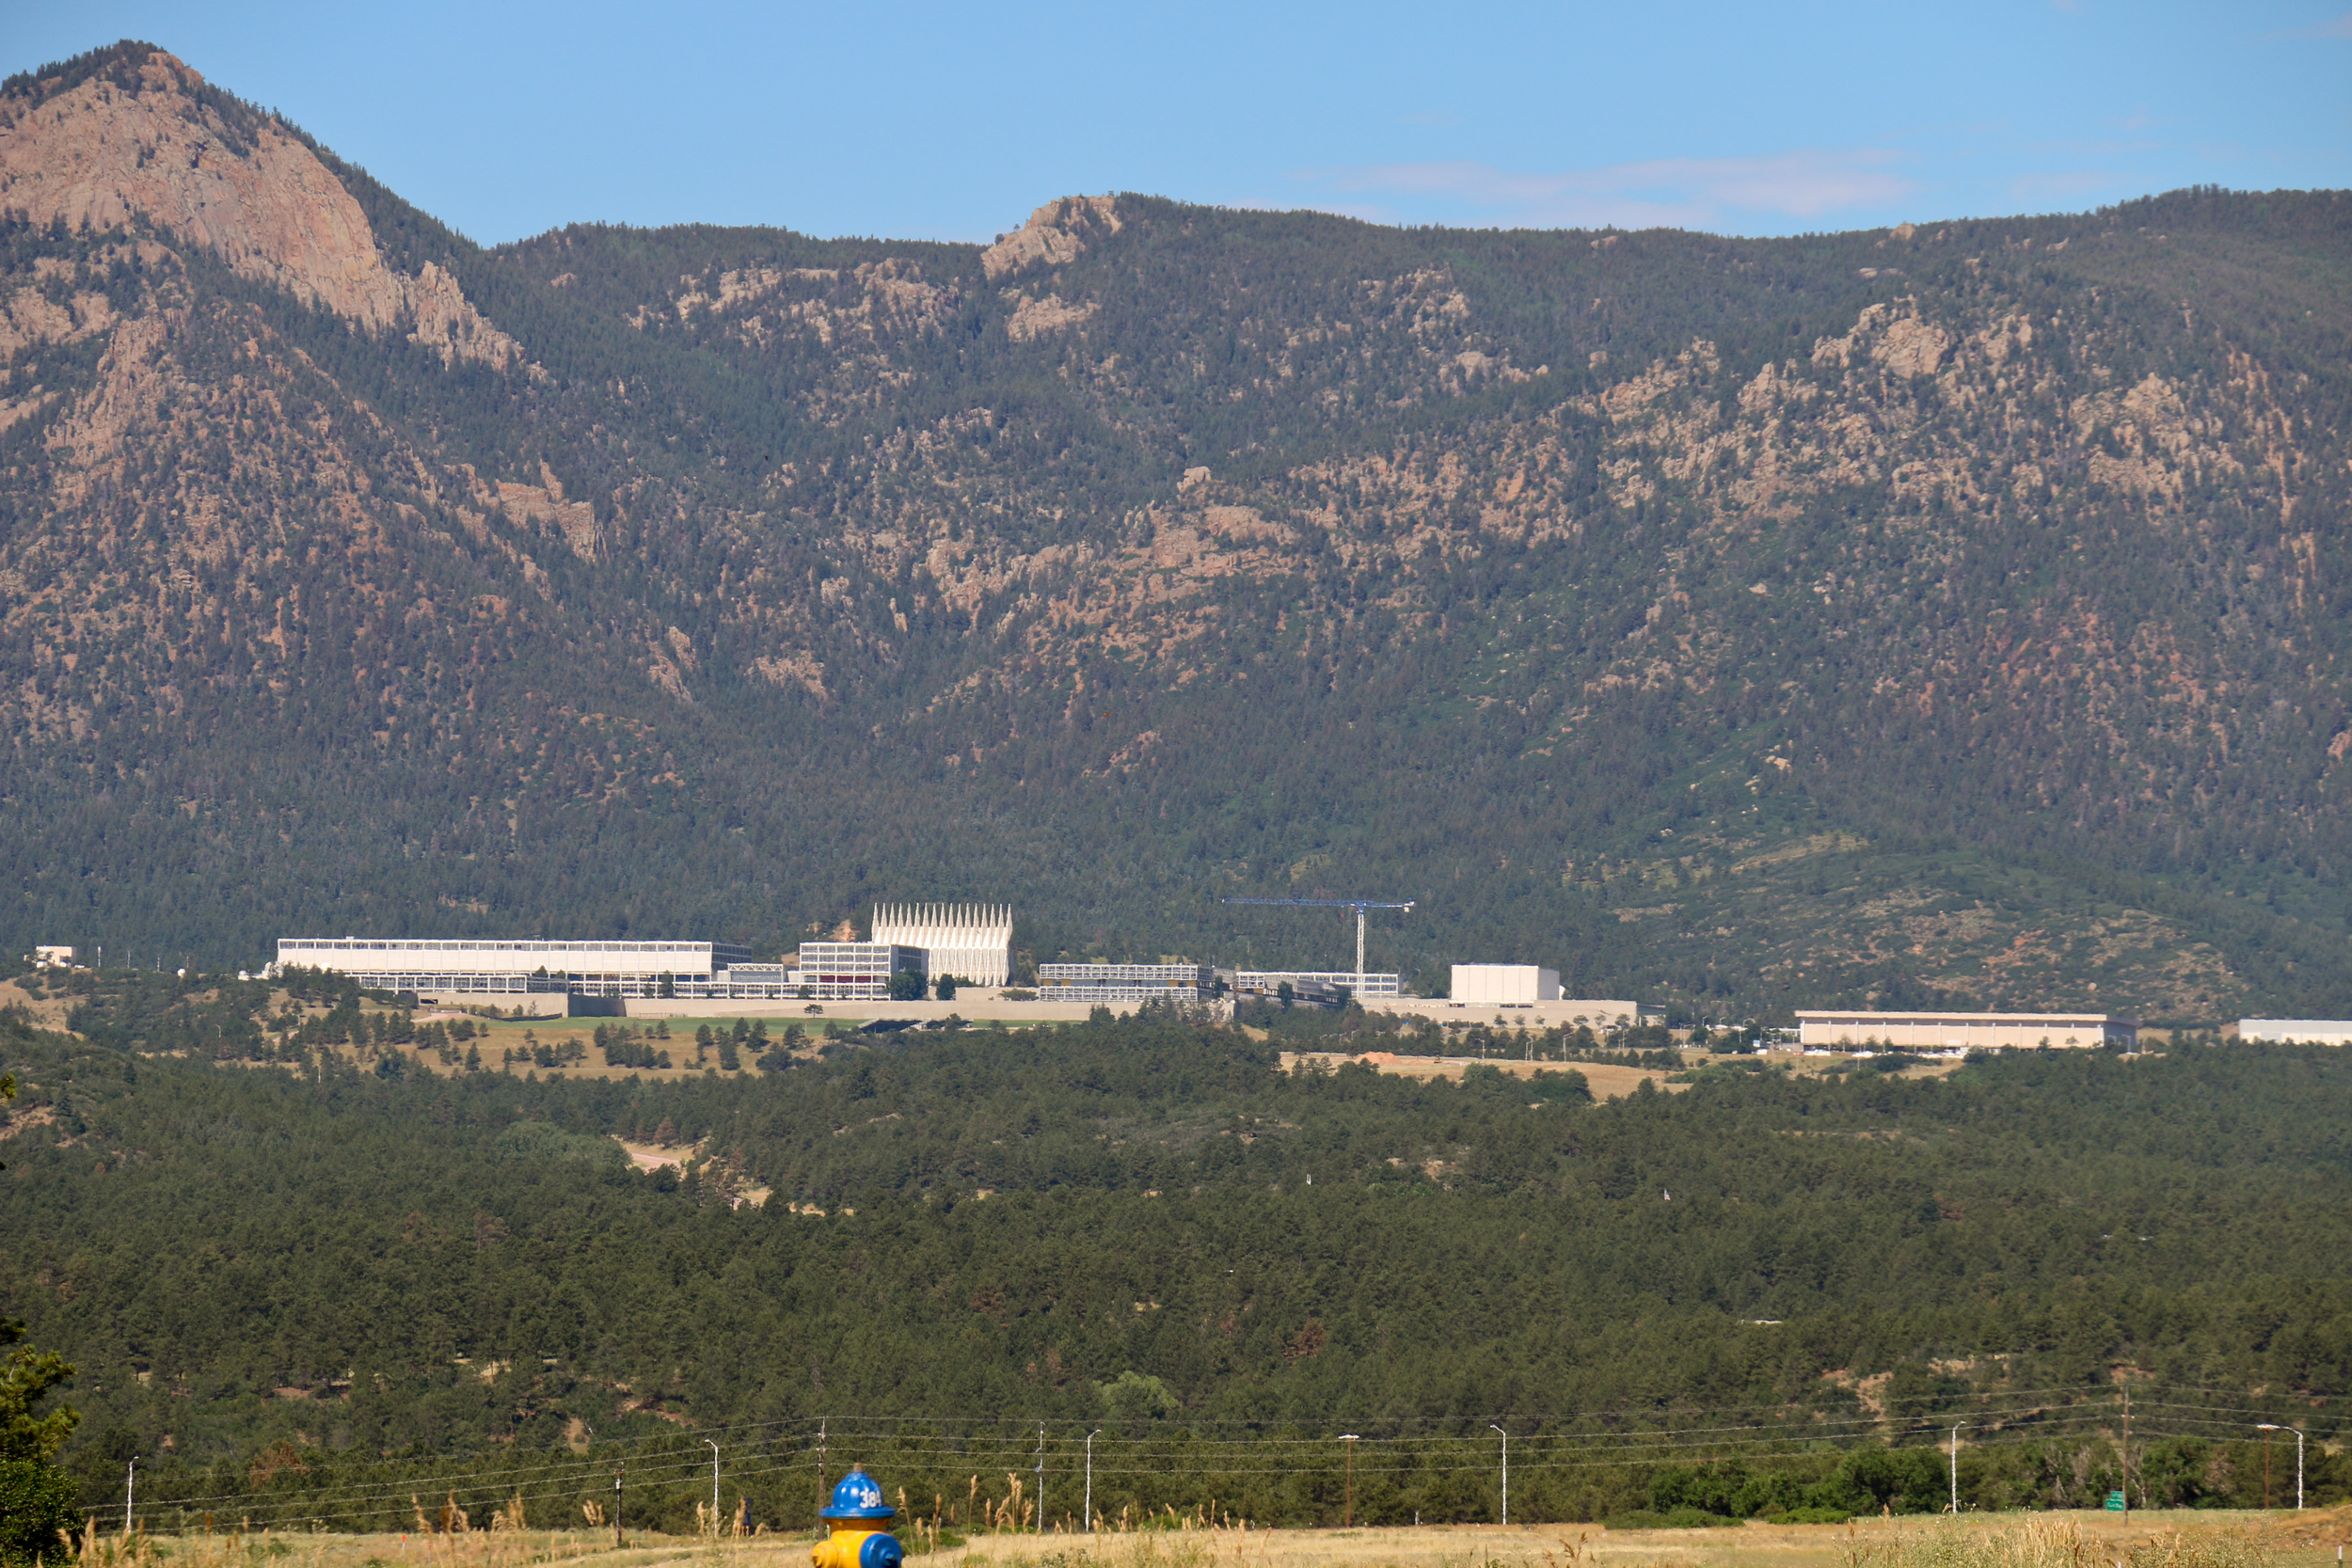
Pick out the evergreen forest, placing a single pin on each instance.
(312, 1288)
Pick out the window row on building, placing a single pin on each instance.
(1269, 982)
(1125, 982)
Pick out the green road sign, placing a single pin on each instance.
(2114, 1503)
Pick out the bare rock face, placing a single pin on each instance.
(1055, 234)
(144, 140)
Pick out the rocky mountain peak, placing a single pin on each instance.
(135, 135)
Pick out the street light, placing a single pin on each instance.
(1090, 1512)
(1956, 1465)
(1347, 1509)
(714, 1489)
(2273, 1426)
(1506, 1473)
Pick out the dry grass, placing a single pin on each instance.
(2013, 1540)
(2182, 1540)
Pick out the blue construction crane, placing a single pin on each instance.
(1358, 905)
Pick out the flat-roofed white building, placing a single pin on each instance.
(856, 970)
(1125, 982)
(971, 942)
(1853, 1029)
(474, 967)
(1270, 981)
(1492, 985)
(2302, 1031)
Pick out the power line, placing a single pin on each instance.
(1239, 1459)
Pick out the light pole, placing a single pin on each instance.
(1956, 1465)
(1347, 1509)
(714, 1488)
(1090, 1512)
(2273, 1426)
(1506, 1472)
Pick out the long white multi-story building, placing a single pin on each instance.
(1266, 982)
(971, 942)
(855, 971)
(472, 966)
(1125, 982)
(1850, 1029)
(2297, 1031)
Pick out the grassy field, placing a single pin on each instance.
(2057, 1540)
(1607, 1080)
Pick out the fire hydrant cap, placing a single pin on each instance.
(858, 1496)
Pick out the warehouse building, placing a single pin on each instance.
(971, 942)
(1851, 1030)
(1125, 982)
(1504, 985)
(473, 968)
(2301, 1031)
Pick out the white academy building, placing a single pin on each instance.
(971, 942)
(2300, 1031)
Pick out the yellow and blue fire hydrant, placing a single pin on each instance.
(859, 1539)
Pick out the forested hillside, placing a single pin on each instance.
(1951, 612)
(305, 1292)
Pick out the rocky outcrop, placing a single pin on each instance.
(543, 506)
(1035, 318)
(1056, 234)
(145, 142)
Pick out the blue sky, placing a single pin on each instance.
(952, 121)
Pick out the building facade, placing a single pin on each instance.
(971, 942)
(1504, 985)
(2305, 1031)
(856, 970)
(1851, 1030)
(1268, 982)
(468, 968)
(1125, 982)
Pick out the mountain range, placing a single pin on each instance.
(1950, 614)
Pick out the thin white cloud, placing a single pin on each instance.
(2339, 28)
(1677, 192)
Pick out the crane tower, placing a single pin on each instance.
(1358, 905)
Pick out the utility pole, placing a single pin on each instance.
(1091, 1438)
(130, 1487)
(1041, 1478)
(1348, 1509)
(1506, 1473)
(617, 1468)
(2127, 1454)
(714, 1488)
(1956, 1466)
(820, 1470)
